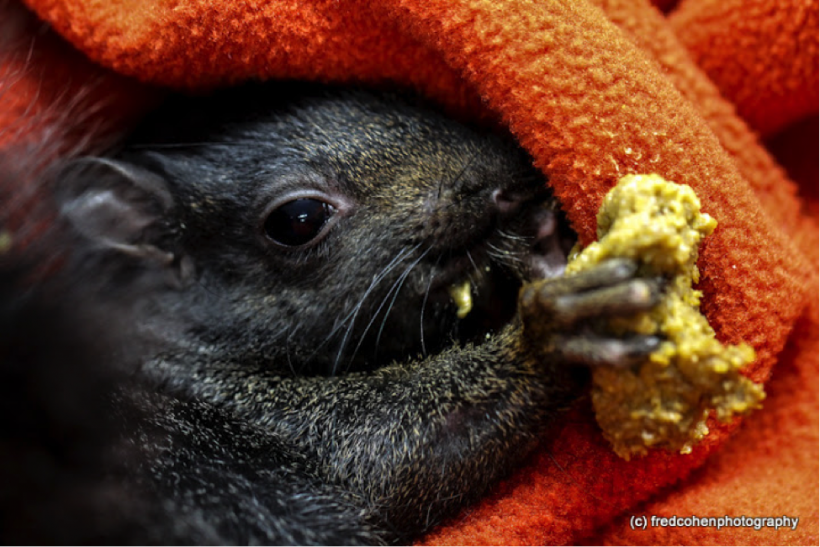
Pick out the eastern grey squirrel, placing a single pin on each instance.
(255, 295)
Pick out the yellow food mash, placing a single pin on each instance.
(463, 298)
(665, 401)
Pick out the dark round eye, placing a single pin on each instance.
(298, 222)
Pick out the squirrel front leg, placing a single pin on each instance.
(415, 441)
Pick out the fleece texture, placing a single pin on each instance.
(593, 89)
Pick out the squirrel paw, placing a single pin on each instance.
(559, 314)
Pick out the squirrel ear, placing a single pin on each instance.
(116, 205)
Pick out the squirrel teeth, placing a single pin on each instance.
(463, 298)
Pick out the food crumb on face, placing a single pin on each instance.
(664, 401)
(463, 298)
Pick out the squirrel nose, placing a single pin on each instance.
(508, 201)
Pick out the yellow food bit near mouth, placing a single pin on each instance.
(664, 402)
(463, 298)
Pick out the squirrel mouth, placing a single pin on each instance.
(482, 283)
(463, 294)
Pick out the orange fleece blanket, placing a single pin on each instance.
(718, 94)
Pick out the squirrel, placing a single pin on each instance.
(263, 279)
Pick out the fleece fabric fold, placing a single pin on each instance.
(593, 89)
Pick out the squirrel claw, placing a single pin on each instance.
(557, 313)
(595, 351)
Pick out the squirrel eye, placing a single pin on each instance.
(298, 222)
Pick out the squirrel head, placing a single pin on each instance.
(314, 230)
